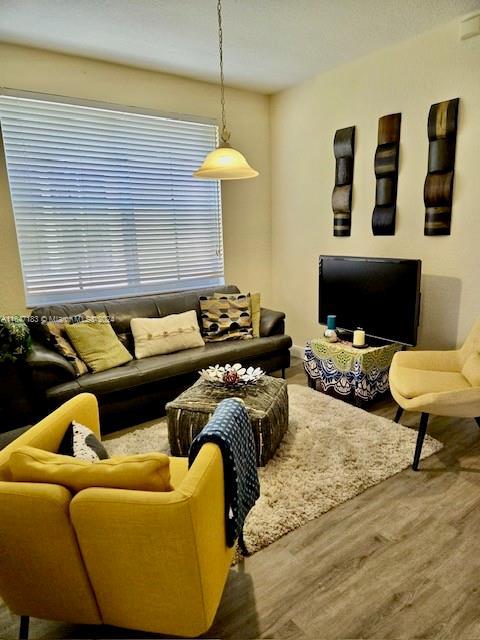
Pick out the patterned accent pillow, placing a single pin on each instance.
(58, 339)
(226, 318)
(254, 309)
(80, 442)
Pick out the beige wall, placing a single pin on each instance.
(246, 203)
(275, 229)
(406, 78)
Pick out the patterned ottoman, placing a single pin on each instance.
(266, 403)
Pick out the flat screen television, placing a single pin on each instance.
(379, 295)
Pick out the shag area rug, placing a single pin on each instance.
(331, 452)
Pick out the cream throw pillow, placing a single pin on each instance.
(155, 336)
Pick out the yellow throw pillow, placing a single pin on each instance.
(254, 308)
(155, 336)
(142, 472)
(97, 344)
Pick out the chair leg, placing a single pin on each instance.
(420, 438)
(24, 624)
(283, 373)
(477, 420)
(398, 415)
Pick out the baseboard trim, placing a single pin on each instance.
(297, 352)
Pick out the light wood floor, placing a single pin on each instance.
(401, 560)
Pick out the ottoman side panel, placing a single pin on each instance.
(270, 428)
(183, 426)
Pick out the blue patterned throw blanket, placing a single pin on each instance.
(230, 429)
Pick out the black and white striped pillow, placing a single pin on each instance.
(80, 442)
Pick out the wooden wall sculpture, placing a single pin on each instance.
(438, 190)
(386, 173)
(343, 148)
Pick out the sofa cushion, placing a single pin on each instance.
(156, 336)
(138, 372)
(412, 383)
(176, 364)
(97, 344)
(117, 379)
(121, 311)
(142, 472)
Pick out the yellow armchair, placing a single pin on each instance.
(445, 383)
(150, 561)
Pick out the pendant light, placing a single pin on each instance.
(224, 162)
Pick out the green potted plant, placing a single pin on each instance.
(15, 339)
(15, 344)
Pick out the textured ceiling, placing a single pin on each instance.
(268, 44)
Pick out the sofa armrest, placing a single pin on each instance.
(46, 369)
(42, 358)
(271, 323)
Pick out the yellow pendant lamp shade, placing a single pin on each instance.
(225, 163)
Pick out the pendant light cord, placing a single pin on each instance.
(225, 134)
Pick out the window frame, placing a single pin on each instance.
(110, 292)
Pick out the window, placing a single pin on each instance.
(104, 201)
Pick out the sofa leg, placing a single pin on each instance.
(283, 373)
(24, 624)
(311, 382)
(477, 420)
(420, 438)
(398, 415)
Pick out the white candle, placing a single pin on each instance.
(358, 338)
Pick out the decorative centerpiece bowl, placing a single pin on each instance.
(231, 375)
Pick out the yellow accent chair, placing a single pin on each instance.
(445, 383)
(151, 561)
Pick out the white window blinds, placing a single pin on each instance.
(105, 203)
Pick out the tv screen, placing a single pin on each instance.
(379, 295)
